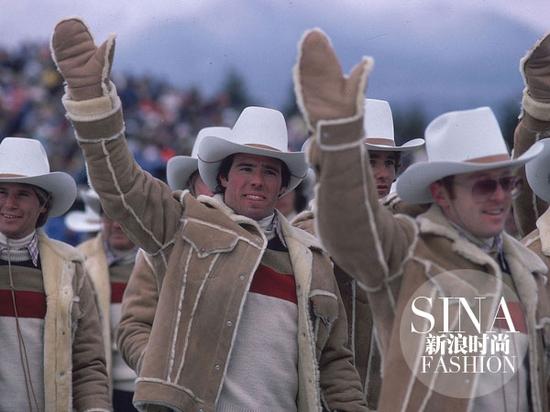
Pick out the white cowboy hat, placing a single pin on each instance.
(83, 222)
(90, 219)
(458, 142)
(538, 172)
(378, 124)
(24, 160)
(258, 131)
(180, 168)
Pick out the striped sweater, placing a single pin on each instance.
(21, 358)
(262, 372)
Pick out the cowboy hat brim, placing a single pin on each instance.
(538, 172)
(60, 185)
(82, 222)
(413, 186)
(213, 150)
(407, 146)
(178, 171)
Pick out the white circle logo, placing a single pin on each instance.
(463, 333)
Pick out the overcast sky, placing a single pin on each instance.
(31, 19)
(424, 50)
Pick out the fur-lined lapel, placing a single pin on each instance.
(98, 270)
(300, 235)
(301, 258)
(524, 265)
(58, 260)
(217, 203)
(434, 222)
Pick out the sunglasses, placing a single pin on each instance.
(486, 187)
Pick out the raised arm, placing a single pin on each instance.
(143, 205)
(366, 240)
(534, 125)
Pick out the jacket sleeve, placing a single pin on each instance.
(362, 237)
(143, 205)
(341, 388)
(91, 386)
(138, 312)
(527, 206)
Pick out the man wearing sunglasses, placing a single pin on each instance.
(456, 250)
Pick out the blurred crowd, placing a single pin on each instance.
(162, 120)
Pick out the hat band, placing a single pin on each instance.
(11, 175)
(262, 146)
(380, 141)
(489, 159)
(92, 220)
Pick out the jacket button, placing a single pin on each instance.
(217, 366)
(241, 276)
(229, 323)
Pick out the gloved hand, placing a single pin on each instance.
(84, 66)
(535, 69)
(323, 92)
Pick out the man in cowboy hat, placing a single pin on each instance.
(182, 172)
(110, 257)
(385, 157)
(243, 311)
(52, 351)
(456, 250)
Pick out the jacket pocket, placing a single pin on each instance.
(324, 311)
(207, 239)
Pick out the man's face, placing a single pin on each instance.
(383, 166)
(113, 235)
(20, 209)
(479, 205)
(253, 185)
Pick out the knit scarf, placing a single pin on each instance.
(493, 246)
(16, 250)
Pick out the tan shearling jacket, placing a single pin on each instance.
(75, 376)
(96, 266)
(201, 261)
(361, 339)
(391, 256)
